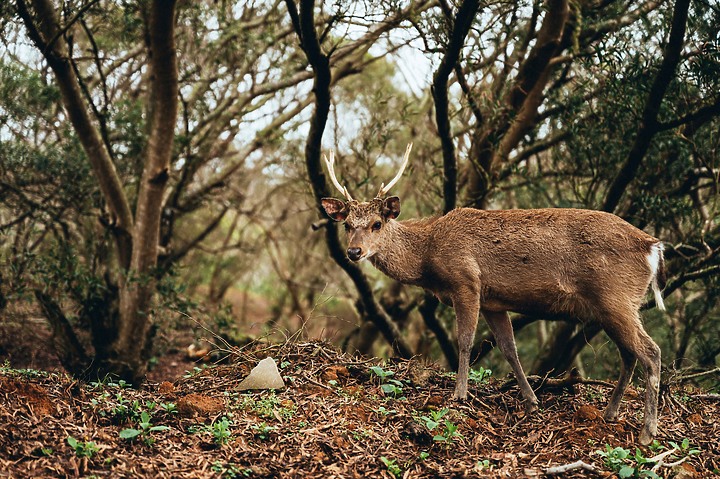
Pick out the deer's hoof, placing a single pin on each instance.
(531, 408)
(610, 416)
(459, 396)
(646, 436)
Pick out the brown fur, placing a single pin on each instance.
(587, 264)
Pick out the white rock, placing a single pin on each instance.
(263, 376)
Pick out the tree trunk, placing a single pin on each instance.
(649, 125)
(123, 351)
(304, 25)
(131, 344)
(492, 143)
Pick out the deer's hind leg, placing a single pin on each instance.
(467, 309)
(626, 371)
(626, 330)
(501, 328)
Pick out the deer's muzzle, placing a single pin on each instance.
(354, 253)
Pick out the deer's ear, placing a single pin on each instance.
(391, 207)
(335, 209)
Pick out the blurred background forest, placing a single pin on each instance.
(160, 168)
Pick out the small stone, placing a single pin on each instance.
(263, 376)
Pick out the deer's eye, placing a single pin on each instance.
(376, 226)
(347, 227)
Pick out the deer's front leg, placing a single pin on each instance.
(467, 308)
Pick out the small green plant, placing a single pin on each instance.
(685, 448)
(230, 470)
(109, 381)
(169, 407)
(449, 434)
(145, 431)
(483, 464)
(480, 375)
(121, 383)
(83, 448)
(423, 455)
(270, 406)
(386, 412)
(392, 466)
(262, 430)
(433, 421)
(45, 451)
(594, 395)
(361, 434)
(621, 461)
(655, 446)
(195, 371)
(126, 410)
(221, 431)
(389, 386)
(381, 373)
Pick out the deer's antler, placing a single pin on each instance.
(383, 188)
(331, 169)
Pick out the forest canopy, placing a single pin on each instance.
(160, 163)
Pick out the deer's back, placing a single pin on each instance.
(541, 260)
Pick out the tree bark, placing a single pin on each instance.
(492, 146)
(140, 284)
(120, 351)
(305, 28)
(460, 28)
(461, 24)
(567, 341)
(427, 310)
(70, 352)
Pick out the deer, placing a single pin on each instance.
(584, 264)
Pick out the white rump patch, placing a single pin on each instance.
(654, 259)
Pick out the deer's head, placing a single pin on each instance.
(365, 222)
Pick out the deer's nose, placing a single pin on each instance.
(354, 253)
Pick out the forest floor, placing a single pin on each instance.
(338, 417)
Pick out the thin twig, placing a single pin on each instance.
(569, 467)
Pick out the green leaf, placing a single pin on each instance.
(159, 428)
(380, 372)
(72, 441)
(430, 424)
(626, 471)
(390, 389)
(129, 433)
(450, 426)
(639, 457)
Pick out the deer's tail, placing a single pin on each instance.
(656, 260)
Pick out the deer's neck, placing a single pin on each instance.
(402, 256)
